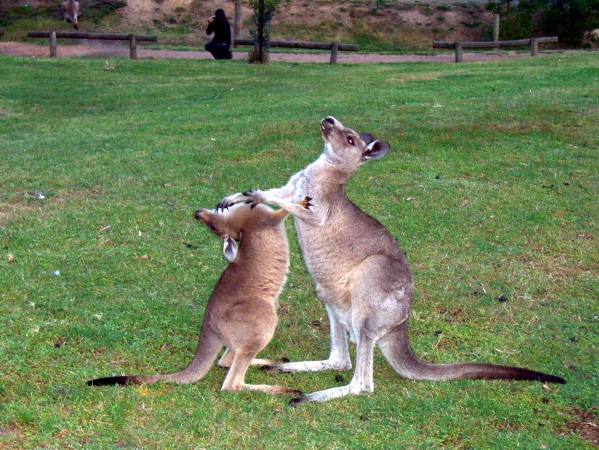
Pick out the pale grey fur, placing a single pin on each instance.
(361, 274)
(70, 11)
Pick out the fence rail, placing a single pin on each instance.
(53, 35)
(459, 45)
(332, 46)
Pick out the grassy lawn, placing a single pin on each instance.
(490, 188)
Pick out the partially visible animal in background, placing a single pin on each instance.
(591, 37)
(70, 11)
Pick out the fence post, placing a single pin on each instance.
(495, 27)
(132, 47)
(458, 52)
(334, 52)
(52, 44)
(534, 47)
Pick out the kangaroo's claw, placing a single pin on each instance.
(222, 205)
(231, 200)
(306, 202)
(254, 197)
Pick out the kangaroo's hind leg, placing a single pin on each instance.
(374, 308)
(227, 359)
(361, 382)
(338, 357)
(235, 379)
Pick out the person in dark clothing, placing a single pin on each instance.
(220, 46)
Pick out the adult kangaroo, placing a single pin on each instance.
(241, 314)
(361, 274)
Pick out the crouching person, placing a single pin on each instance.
(220, 46)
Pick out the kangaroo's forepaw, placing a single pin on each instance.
(231, 200)
(254, 197)
(305, 202)
(223, 204)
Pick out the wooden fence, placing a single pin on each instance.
(334, 47)
(54, 35)
(458, 46)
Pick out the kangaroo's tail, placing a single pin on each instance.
(123, 380)
(396, 349)
(206, 354)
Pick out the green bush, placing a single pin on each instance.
(516, 25)
(569, 19)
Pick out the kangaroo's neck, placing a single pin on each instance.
(328, 175)
(262, 248)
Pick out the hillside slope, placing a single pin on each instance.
(377, 25)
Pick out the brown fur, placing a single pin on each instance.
(241, 312)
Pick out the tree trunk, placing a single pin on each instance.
(237, 19)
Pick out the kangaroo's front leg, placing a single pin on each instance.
(231, 200)
(305, 209)
(286, 193)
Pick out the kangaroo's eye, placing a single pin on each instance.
(212, 227)
(350, 140)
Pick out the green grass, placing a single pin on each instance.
(490, 188)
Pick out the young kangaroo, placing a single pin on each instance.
(241, 312)
(70, 11)
(361, 274)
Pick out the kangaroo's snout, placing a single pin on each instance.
(198, 214)
(327, 125)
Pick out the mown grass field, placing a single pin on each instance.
(490, 187)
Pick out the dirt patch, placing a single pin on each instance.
(10, 436)
(101, 50)
(588, 427)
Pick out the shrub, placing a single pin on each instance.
(270, 6)
(515, 25)
(569, 19)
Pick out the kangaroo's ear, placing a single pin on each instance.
(367, 138)
(230, 249)
(375, 150)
